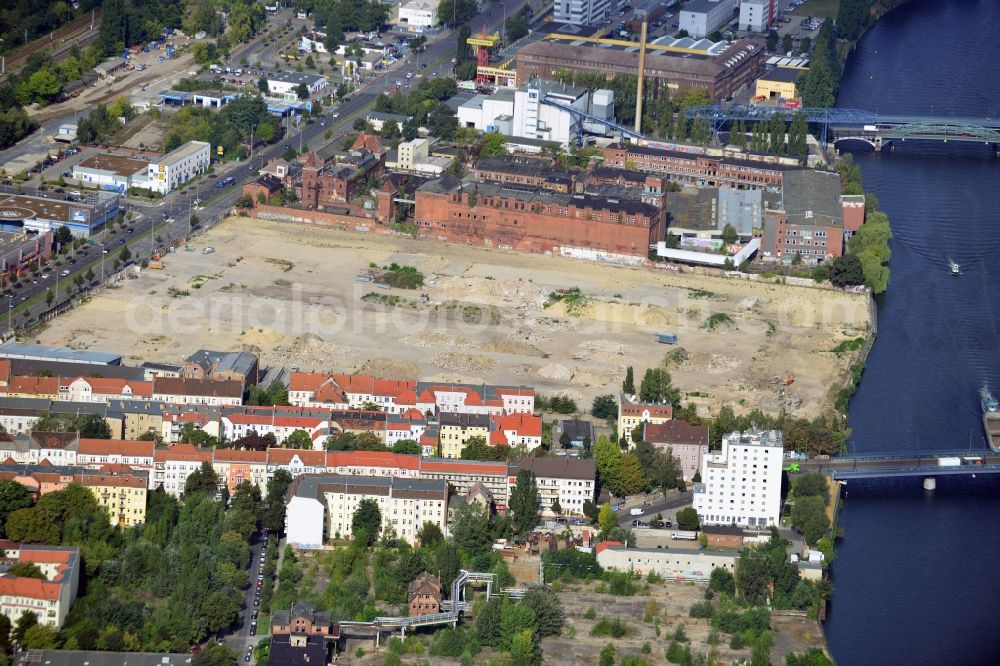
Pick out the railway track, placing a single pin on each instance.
(80, 32)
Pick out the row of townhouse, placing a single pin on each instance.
(118, 489)
(176, 390)
(514, 430)
(339, 391)
(49, 599)
(569, 480)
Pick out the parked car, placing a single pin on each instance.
(64, 273)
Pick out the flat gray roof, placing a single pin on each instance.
(15, 349)
(94, 658)
(295, 77)
(177, 154)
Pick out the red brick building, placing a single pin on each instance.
(490, 215)
(340, 181)
(808, 222)
(514, 172)
(265, 184)
(424, 595)
(697, 170)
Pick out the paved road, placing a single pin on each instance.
(657, 503)
(241, 638)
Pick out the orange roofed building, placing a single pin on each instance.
(50, 599)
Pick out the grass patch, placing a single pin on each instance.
(472, 314)
(613, 627)
(232, 286)
(716, 320)
(699, 293)
(818, 8)
(676, 357)
(848, 346)
(574, 299)
(283, 264)
(174, 292)
(401, 277)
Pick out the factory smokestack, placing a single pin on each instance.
(642, 75)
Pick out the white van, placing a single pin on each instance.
(636, 512)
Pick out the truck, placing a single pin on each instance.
(949, 462)
(870, 128)
(666, 338)
(684, 535)
(972, 460)
(635, 512)
(225, 182)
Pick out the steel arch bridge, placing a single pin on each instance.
(872, 128)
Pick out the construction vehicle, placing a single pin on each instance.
(789, 378)
(156, 265)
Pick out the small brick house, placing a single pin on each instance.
(723, 536)
(424, 595)
(303, 620)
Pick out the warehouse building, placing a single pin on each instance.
(286, 83)
(721, 68)
(112, 172)
(30, 214)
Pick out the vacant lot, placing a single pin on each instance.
(291, 293)
(653, 617)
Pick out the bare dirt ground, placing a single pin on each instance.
(291, 293)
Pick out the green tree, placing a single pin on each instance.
(722, 581)
(514, 618)
(797, 134)
(548, 610)
(298, 439)
(786, 43)
(407, 446)
(113, 26)
(524, 648)
(214, 654)
(852, 16)
(202, 480)
(606, 518)
(809, 517)
(846, 271)
(687, 518)
(492, 145)
(729, 235)
(262, 85)
(758, 138)
(40, 637)
(470, 529)
(25, 621)
(221, 609)
(488, 629)
(604, 407)
(27, 570)
(13, 496)
(456, 12)
(772, 40)
(701, 132)
(628, 386)
(630, 478)
(366, 524)
(607, 458)
(811, 657)
(429, 535)
(657, 386)
(776, 142)
(524, 502)
(811, 484)
(93, 426)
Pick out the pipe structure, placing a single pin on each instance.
(642, 73)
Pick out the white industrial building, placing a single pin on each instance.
(756, 15)
(322, 506)
(112, 172)
(670, 563)
(418, 15)
(522, 113)
(703, 17)
(287, 83)
(178, 166)
(581, 12)
(741, 483)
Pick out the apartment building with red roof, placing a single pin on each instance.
(341, 391)
(50, 599)
(171, 467)
(103, 389)
(633, 412)
(517, 430)
(237, 425)
(237, 465)
(21, 386)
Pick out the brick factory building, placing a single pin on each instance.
(535, 220)
(721, 70)
(696, 169)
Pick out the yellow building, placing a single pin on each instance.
(123, 497)
(457, 429)
(779, 82)
(631, 414)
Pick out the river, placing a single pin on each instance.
(917, 575)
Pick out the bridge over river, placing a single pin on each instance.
(926, 465)
(875, 129)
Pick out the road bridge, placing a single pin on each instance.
(925, 465)
(875, 129)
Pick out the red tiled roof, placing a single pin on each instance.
(372, 459)
(604, 545)
(657, 411)
(123, 481)
(675, 432)
(525, 425)
(284, 456)
(183, 452)
(465, 467)
(29, 587)
(241, 455)
(34, 385)
(120, 447)
(114, 386)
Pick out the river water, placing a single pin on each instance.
(917, 576)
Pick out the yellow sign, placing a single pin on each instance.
(220, 150)
(162, 168)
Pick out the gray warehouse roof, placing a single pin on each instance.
(15, 349)
(94, 658)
